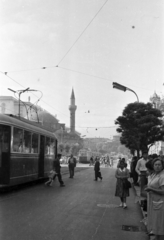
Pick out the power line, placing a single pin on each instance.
(82, 32)
(67, 69)
(69, 48)
(71, 70)
(12, 78)
(33, 93)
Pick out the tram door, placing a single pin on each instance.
(5, 135)
(41, 157)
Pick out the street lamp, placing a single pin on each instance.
(123, 88)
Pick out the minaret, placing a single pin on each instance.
(72, 109)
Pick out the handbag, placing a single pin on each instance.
(127, 184)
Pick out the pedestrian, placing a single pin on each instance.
(111, 162)
(97, 169)
(91, 161)
(134, 174)
(57, 168)
(122, 175)
(71, 165)
(120, 160)
(142, 171)
(106, 162)
(155, 191)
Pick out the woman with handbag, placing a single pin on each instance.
(122, 184)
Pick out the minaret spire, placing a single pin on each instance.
(72, 109)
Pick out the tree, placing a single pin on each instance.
(140, 125)
(75, 148)
(61, 147)
(99, 146)
(67, 147)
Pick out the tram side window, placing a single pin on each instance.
(4, 139)
(47, 150)
(17, 140)
(35, 138)
(27, 142)
(52, 147)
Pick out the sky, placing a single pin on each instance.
(53, 46)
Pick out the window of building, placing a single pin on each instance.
(35, 139)
(17, 140)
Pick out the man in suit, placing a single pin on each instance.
(71, 165)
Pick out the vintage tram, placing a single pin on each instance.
(86, 154)
(27, 151)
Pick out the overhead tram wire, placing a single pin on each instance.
(82, 32)
(67, 69)
(32, 93)
(69, 48)
(11, 78)
(90, 75)
(51, 106)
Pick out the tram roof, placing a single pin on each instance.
(24, 123)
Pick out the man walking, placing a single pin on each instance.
(57, 167)
(142, 170)
(71, 165)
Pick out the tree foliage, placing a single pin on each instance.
(140, 125)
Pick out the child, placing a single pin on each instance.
(51, 177)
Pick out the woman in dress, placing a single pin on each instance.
(155, 191)
(122, 174)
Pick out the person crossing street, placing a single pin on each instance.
(57, 168)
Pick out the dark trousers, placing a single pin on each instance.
(71, 170)
(143, 181)
(98, 175)
(135, 177)
(59, 178)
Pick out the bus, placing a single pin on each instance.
(27, 151)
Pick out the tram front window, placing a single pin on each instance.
(17, 140)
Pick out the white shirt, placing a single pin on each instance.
(141, 165)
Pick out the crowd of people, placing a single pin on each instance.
(105, 160)
(148, 173)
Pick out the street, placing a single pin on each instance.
(82, 210)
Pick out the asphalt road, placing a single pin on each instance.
(82, 210)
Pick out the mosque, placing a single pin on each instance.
(70, 135)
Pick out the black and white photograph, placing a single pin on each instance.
(82, 120)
